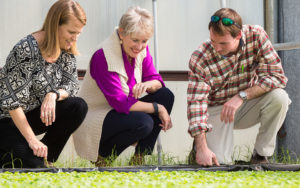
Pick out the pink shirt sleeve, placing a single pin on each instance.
(109, 83)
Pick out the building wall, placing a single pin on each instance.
(182, 24)
(289, 20)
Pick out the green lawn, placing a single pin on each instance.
(152, 179)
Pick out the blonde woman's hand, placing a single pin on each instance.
(39, 149)
(166, 122)
(48, 109)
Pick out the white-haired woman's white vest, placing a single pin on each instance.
(87, 136)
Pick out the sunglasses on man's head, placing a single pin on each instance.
(225, 21)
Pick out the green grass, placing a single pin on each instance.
(119, 162)
(74, 163)
(149, 179)
(152, 179)
(10, 164)
(284, 157)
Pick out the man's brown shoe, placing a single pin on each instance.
(258, 159)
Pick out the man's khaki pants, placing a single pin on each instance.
(269, 110)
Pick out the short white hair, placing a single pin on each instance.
(136, 20)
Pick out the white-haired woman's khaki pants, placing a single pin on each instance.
(269, 110)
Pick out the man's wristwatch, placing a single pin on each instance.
(243, 95)
(57, 94)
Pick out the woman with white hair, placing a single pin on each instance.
(119, 73)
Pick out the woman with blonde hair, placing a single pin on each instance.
(38, 87)
(119, 73)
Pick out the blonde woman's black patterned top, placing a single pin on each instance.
(26, 77)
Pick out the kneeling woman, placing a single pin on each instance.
(38, 87)
(119, 73)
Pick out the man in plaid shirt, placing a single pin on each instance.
(235, 81)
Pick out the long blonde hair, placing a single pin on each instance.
(59, 13)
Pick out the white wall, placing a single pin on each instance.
(182, 24)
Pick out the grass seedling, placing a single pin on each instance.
(286, 157)
(11, 162)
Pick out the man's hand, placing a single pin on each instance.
(230, 108)
(48, 109)
(206, 157)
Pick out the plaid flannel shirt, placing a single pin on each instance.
(214, 79)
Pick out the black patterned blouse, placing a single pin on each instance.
(26, 77)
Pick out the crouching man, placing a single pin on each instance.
(235, 81)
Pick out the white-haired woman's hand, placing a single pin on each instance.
(166, 122)
(140, 88)
(148, 86)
